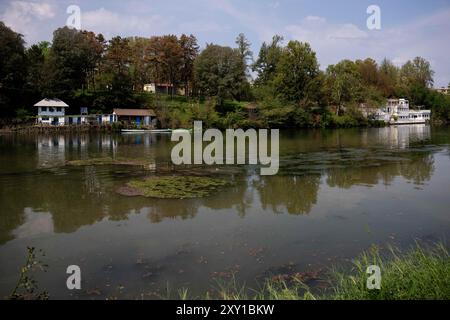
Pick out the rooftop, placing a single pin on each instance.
(135, 112)
(51, 103)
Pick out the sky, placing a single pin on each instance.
(335, 29)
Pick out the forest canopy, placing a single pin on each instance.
(285, 79)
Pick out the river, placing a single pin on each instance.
(337, 193)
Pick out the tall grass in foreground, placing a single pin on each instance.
(420, 273)
(417, 274)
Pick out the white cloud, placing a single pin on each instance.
(316, 29)
(202, 27)
(347, 31)
(24, 16)
(274, 5)
(315, 19)
(427, 37)
(111, 23)
(258, 24)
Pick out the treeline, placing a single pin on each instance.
(284, 81)
(294, 91)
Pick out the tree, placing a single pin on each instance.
(243, 47)
(165, 56)
(246, 55)
(417, 72)
(12, 70)
(115, 77)
(344, 83)
(368, 70)
(296, 71)
(72, 61)
(140, 69)
(218, 72)
(94, 47)
(190, 50)
(36, 80)
(388, 78)
(268, 58)
(172, 61)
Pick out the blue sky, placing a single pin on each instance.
(335, 29)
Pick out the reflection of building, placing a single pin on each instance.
(51, 151)
(51, 111)
(403, 136)
(397, 111)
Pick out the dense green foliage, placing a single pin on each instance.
(289, 88)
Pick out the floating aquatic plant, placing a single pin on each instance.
(105, 161)
(174, 187)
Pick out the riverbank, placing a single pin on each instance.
(421, 273)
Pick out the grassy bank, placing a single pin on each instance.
(420, 273)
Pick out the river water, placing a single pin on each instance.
(337, 193)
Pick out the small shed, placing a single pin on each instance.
(134, 116)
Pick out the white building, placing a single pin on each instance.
(443, 90)
(397, 111)
(51, 111)
(163, 88)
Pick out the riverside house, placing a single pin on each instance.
(51, 111)
(144, 117)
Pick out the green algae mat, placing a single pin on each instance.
(174, 187)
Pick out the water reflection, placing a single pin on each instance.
(291, 194)
(40, 194)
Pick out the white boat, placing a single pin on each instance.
(146, 131)
(397, 111)
(181, 130)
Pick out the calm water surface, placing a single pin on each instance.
(337, 192)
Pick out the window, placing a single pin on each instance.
(51, 109)
(43, 109)
(58, 109)
(45, 118)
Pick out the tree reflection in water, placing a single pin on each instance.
(36, 178)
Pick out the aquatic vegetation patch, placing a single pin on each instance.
(91, 162)
(105, 161)
(175, 187)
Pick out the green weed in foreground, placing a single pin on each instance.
(418, 274)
